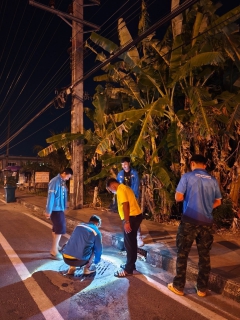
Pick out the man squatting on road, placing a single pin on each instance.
(130, 214)
(84, 244)
(129, 177)
(200, 194)
(56, 205)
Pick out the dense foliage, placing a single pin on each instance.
(167, 99)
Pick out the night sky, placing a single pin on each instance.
(34, 61)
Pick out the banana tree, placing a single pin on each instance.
(171, 70)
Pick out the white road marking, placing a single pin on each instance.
(43, 222)
(182, 300)
(44, 304)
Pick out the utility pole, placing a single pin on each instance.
(76, 16)
(76, 189)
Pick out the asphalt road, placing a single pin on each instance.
(32, 285)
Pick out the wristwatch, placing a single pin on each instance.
(126, 221)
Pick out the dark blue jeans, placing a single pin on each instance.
(130, 242)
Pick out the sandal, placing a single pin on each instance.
(201, 293)
(173, 289)
(121, 273)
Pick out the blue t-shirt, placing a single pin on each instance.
(200, 190)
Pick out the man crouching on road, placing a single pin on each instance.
(84, 245)
(130, 214)
(56, 205)
(200, 194)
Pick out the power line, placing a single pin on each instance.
(30, 135)
(142, 36)
(150, 30)
(29, 122)
(25, 110)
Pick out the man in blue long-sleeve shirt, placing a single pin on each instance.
(84, 245)
(56, 205)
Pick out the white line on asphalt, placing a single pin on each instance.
(199, 309)
(44, 222)
(44, 304)
(182, 300)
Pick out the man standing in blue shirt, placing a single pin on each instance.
(200, 194)
(56, 205)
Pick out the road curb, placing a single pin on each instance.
(157, 257)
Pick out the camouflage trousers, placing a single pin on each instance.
(186, 234)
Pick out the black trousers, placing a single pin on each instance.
(130, 242)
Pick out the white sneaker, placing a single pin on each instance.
(89, 270)
(140, 242)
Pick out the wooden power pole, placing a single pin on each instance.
(76, 185)
(76, 189)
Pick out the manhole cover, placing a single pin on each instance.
(104, 269)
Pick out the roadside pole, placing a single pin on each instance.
(76, 188)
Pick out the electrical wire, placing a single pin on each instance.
(52, 102)
(26, 124)
(12, 65)
(21, 119)
(25, 84)
(3, 11)
(28, 62)
(20, 110)
(8, 37)
(30, 135)
(26, 65)
(212, 28)
(115, 32)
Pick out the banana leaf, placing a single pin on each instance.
(112, 136)
(125, 38)
(196, 27)
(159, 106)
(65, 137)
(173, 137)
(103, 174)
(217, 25)
(163, 175)
(53, 147)
(99, 103)
(176, 55)
(205, 58)
(105, 43)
